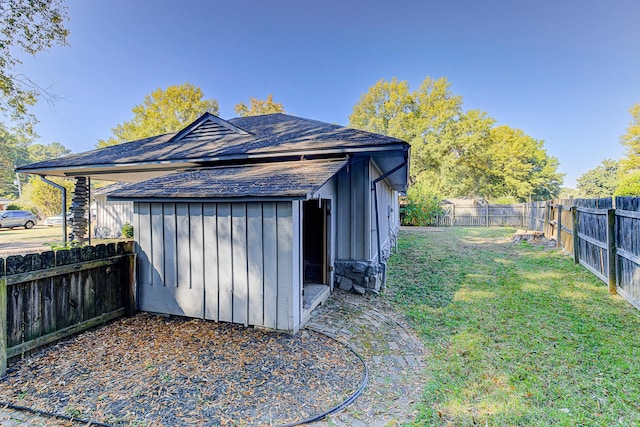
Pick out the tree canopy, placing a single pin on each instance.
(458, 153)
(629, 170)
(13, 152)
(162, 111)
(631, 140)
(41, 152)
(259, 107)
(600, 181)
(26, 26)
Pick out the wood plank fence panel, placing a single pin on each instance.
(592, 222)
(628, 248)
(53, 295)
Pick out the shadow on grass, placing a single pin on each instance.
(517, 335)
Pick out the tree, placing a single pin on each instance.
(631, 140)
(519, 166)
(163, 111)
(629, 184)
(456, 153)
(41, 152)
(13, 152)
(26, 26)
(600, 181)
(45, 197)
(259, 107)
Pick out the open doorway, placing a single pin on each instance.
(316, 248)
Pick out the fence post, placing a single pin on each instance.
(546, 220)
(611, 249)
(576, 239)
(453, 215)
(487, 213)
(3, 319)
(559, 227)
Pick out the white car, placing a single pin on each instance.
(57, 220)
(10, 219)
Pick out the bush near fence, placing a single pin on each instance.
(48, 296)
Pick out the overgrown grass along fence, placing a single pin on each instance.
(48, 296)
(603, 235)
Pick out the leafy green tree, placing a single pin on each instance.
(163, 111)
(42, 152)
(259, 107)
(631, 140)
(26, 27)
(453, 150)
(46, 198)
(600, 181)
(13, 152)
(629, 184)
(519, 166)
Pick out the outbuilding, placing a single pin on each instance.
(253, 220)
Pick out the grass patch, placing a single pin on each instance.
(515, 334)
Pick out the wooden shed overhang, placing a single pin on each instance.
(298, 180)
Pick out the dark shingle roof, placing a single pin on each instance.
(270, 134)
(297, 179)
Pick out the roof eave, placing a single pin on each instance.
(110, 168)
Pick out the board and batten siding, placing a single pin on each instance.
(353, 212)
(232, 262)
(113, 214)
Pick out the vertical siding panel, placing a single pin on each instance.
(240, 285)
(343, 215)
(285, 264)
(189, 302)
(157, 249)
(144, 244)
(255, 265)
(296, 259)
(197, 265)
(270, 265)
(225, 263)
(170, 247)
(210, 261)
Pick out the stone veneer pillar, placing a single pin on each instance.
(79, 204)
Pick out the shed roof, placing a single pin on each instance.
(287, 180)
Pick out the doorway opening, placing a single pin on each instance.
(316, 254)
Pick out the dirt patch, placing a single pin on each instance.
(533, 237)
(152, 370)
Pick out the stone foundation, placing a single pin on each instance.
(363, 276)
(358, 276)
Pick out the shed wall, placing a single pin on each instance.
(389, 214)
(111, 216)
(232, 262)
(353, 212)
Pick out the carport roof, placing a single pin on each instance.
(284, 180)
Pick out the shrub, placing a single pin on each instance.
(127, 230)
(420, 209)
(13, 207)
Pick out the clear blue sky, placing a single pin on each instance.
(564, 71)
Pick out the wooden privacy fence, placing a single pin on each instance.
(48, 296)
(486, 215)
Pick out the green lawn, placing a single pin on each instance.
(515, 334)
